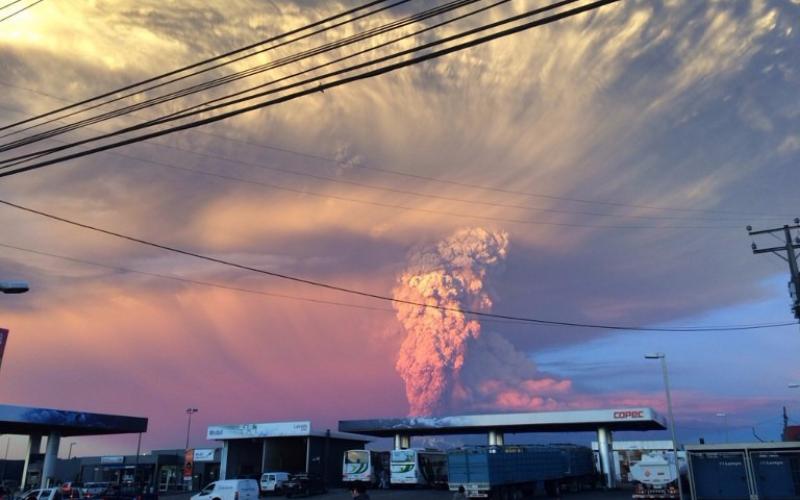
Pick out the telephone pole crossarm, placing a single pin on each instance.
(773, 230)
(790, 257)
(774, 249)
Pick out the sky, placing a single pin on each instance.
(600, 170)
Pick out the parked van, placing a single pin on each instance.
(272, 482)
(229, 489)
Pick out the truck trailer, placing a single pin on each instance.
(505, 472)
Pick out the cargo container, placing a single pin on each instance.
(504, 472)
(745, 471)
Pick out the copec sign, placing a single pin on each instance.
(629, 415)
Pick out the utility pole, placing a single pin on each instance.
(785, 423)
(789, 248)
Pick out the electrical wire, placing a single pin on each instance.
(10, 4)
(383, 204)
(454, 5)
(20, 10)
(321, 86)
(191, 281)
(439, 180)
(229, 177)
(198, 64)
(377, 296)
(306, 192)
(227, 78)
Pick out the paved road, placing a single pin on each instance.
(433, 495)
(445, 495)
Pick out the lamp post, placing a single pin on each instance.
(69, 453)
(724, 415)
(661, 356)
(189, 413)
(13, 287)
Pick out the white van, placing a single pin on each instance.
(272, 482)
(42, 494)
(229, 489)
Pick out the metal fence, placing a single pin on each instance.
(745, 475)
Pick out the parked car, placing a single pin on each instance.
(229, 489)
(127, 493)
(95, 489)
(272, 482)
(71, 492)
(304, 485)
(42, 494)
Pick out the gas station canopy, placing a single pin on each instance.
(618, 419)
(43, 421)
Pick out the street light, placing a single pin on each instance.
(794, 386)
(13, 287)
(725, 416)
(69, 454)
(661, 356)
(189, 412)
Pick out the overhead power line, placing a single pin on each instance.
(207, 85)
(384, 204)
(20, 10)
(191, 281)
(377, 296)
(321, 86)
(453, 5)
(301, 298)
(199, 64)
(409, 175)
(10, 4)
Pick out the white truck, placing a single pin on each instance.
(655, 477)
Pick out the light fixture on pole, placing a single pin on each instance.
(69, 453)
(661, 356)
(794, 386)
(13, 287)
(189, 413)
(724, 415)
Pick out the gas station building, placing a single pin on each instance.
(248, 450)
(495, 426)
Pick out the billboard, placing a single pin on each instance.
(204, 454)
(245, 431)
(188, 465)
(3, 340)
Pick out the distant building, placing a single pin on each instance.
(248, 450)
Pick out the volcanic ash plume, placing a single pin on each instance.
(450, 275)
